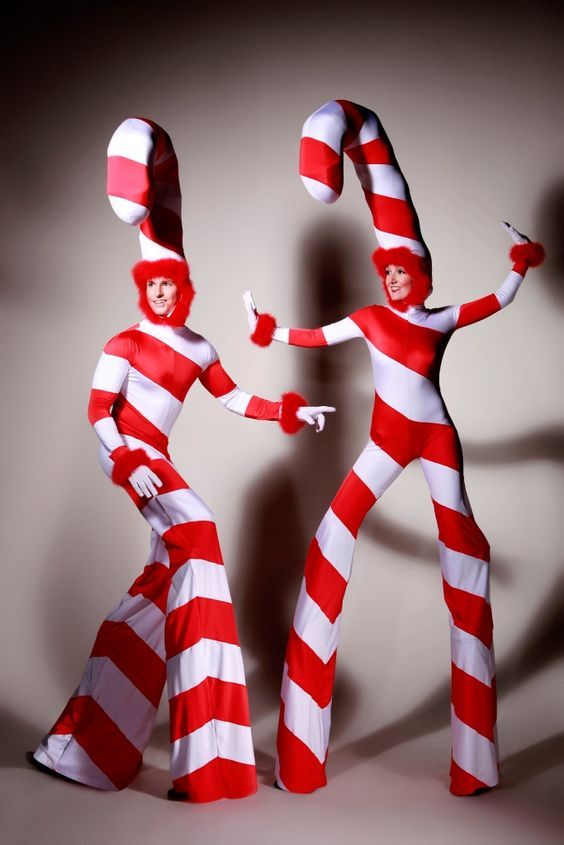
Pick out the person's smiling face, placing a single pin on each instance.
(162, 295)
(398, 282)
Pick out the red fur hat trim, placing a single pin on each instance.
(264, 330)
(177, 271)
(418, 267)
(288, 419)
(532, 253)
(125, 462)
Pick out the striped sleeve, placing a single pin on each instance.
(109, 375)
(328, 335)
(479, 309)
(222, 386)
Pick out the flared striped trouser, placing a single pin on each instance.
(176, 623)
(309, 668)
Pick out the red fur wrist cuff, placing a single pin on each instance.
(531, 254)
(126, 462)
(264, 330)
(288, 419)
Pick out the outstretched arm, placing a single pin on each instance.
(264, 329)
(524, 254)
(292, 411)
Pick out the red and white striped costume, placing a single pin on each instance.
(176, 622)
(410, 421)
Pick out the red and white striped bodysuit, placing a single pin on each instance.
(410, 420)
(176, 623)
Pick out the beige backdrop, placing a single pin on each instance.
(472, 102)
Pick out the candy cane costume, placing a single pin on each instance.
(410, 421)
(176, 622)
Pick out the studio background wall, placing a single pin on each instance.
(472, 102)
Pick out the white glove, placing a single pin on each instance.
(143, 481)
(314, 415)
(515, 236)
(251, 309)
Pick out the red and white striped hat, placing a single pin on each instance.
(144, 190)
(341, 126)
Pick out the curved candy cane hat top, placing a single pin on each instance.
(144, 190)
(341, 126)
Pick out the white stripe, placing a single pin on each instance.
(314, 628)
(63, 754)
(205, 659)
(154, 402)
(152, 251)
(340, 331)
(110, 438)
(135, 443)
(445, 485)
(158, 552)
(198, 579)
(143, 617)
(369, 131)
(133, 139)
(236, 401)
(319, 190)
(406, 391)
(110, 373)
(389, 241)
(471, 655)
(328, 125)
(473, 752)
(183, 340)
(305, 718)
(376, 468)
(214, 739)
(175, 508)
(120, 699)
(130, 212)
(282, 335)
(382, 179)
(464, 572)
(336, 543)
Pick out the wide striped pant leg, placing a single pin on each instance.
(211, 745)
(465, 555)
(101, 734)
(309, 667)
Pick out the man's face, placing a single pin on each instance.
(398, 282)
(162, 295)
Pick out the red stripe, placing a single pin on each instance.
(356, 116)
(373, 152)
(474, 702)
(461, 533)
(132, 422)
(324, 584)
(164, 227)
(463, 783)
(153, 583)
(300, 770)
(308, 671)
(192, 539)
(472, 312)
(352, 502)
(100, 404)
(219, 778)
(320, 162)
(262, 409)
(392, 215)
(416, 347)
(133, 657)
(130, 180)
(102, 740)
(216, 380)
(197, 619)
(212, 699)
(306, 337)
(470, 613)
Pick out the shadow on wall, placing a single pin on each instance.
(551, 226)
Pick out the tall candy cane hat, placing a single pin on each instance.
(343, 127)
(144, 191)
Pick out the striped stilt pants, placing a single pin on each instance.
(176, 623)
(309, 669)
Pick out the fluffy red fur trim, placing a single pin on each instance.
(264, 330)
(288, 419)
(126, 461)
(419, 269)
(531, 254)
(176, 270)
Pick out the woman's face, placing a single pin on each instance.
(398, 282)
(162, 295)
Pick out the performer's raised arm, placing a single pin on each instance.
(264, 329)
